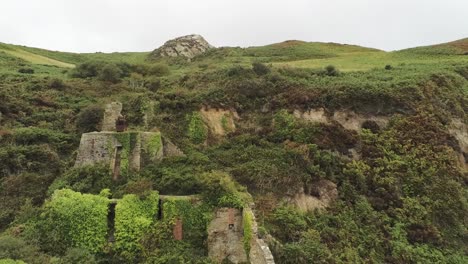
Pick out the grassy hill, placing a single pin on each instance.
(385, 128)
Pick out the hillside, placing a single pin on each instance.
(317, 152)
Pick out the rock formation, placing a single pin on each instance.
(186, 46)
(459, 130)
(219, 121)
(348, 119)
(318, 196)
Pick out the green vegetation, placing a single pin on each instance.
(197, 130)
(401, 185)
(247, 222)
(72, 219)
(133, 217)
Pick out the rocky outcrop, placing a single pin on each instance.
(348, 119)
(318, 196)
(112, 111)
(186, 46)
(352, 121)
(459, 130)
(219, 121)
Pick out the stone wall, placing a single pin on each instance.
(112, 111)
(137, 149)
(227, 243)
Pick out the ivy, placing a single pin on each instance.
(79, 220)
(195, 217)
(153, 145)
(133, 217)
(247, 222)
(197, 131)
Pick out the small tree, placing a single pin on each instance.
(110, 73)
(89, 119)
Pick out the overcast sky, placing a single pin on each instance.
(142, 25)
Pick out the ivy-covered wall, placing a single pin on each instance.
(195, 217)
(133, 217)
(138, 149)
(79, 220)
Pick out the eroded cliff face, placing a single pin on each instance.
(219, 121)
(186, 46)
(459, 130)
(348, 119)
(318, 195)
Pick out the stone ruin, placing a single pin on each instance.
(122, 150)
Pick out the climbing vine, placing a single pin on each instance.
(153, 145)
(195, 217)
(133, 217)
(247, 222)
(197, 130)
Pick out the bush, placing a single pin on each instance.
(87, 70)
(26, 70)
(331, 70)
(17, 249)
(158, 70)
(260, 68)
(110, 73)
(89, 119)
(86, 179)
(218, 189)
(77, 256)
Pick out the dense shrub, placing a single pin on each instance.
(26, 70)
(220, 190)
(331, 70)
(110, 73)
(85, 179)
(260, 68)
(90, 118)
(17, 250)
